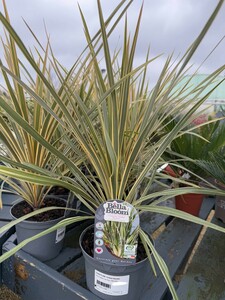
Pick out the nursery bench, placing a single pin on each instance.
(38, 281)
(205, 276)
(8, 199)
(5, 218)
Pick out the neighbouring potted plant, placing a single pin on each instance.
(18, 148)
(215, 166)
(197, 141)
(112, 123)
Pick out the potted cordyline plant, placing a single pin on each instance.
(114, 123)
(18, 148)
(195, 142)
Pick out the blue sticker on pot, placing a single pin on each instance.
(116, 232)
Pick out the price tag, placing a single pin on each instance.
(111, 285)
(60, 233)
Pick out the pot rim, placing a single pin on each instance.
(107, 263)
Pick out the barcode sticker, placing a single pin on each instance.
(108, 286)
(111, 285)
(60, 233)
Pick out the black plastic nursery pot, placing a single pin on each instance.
(220, 204)
(110, 281)
(46, 247)
(220, 208)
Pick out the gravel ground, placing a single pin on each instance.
(6, 294)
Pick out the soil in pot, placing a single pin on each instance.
(23, 208)
(88, 245)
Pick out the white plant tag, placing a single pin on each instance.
(130, 251)
(116, 223)
(111, 285)
(60, 233)
(116, 211)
